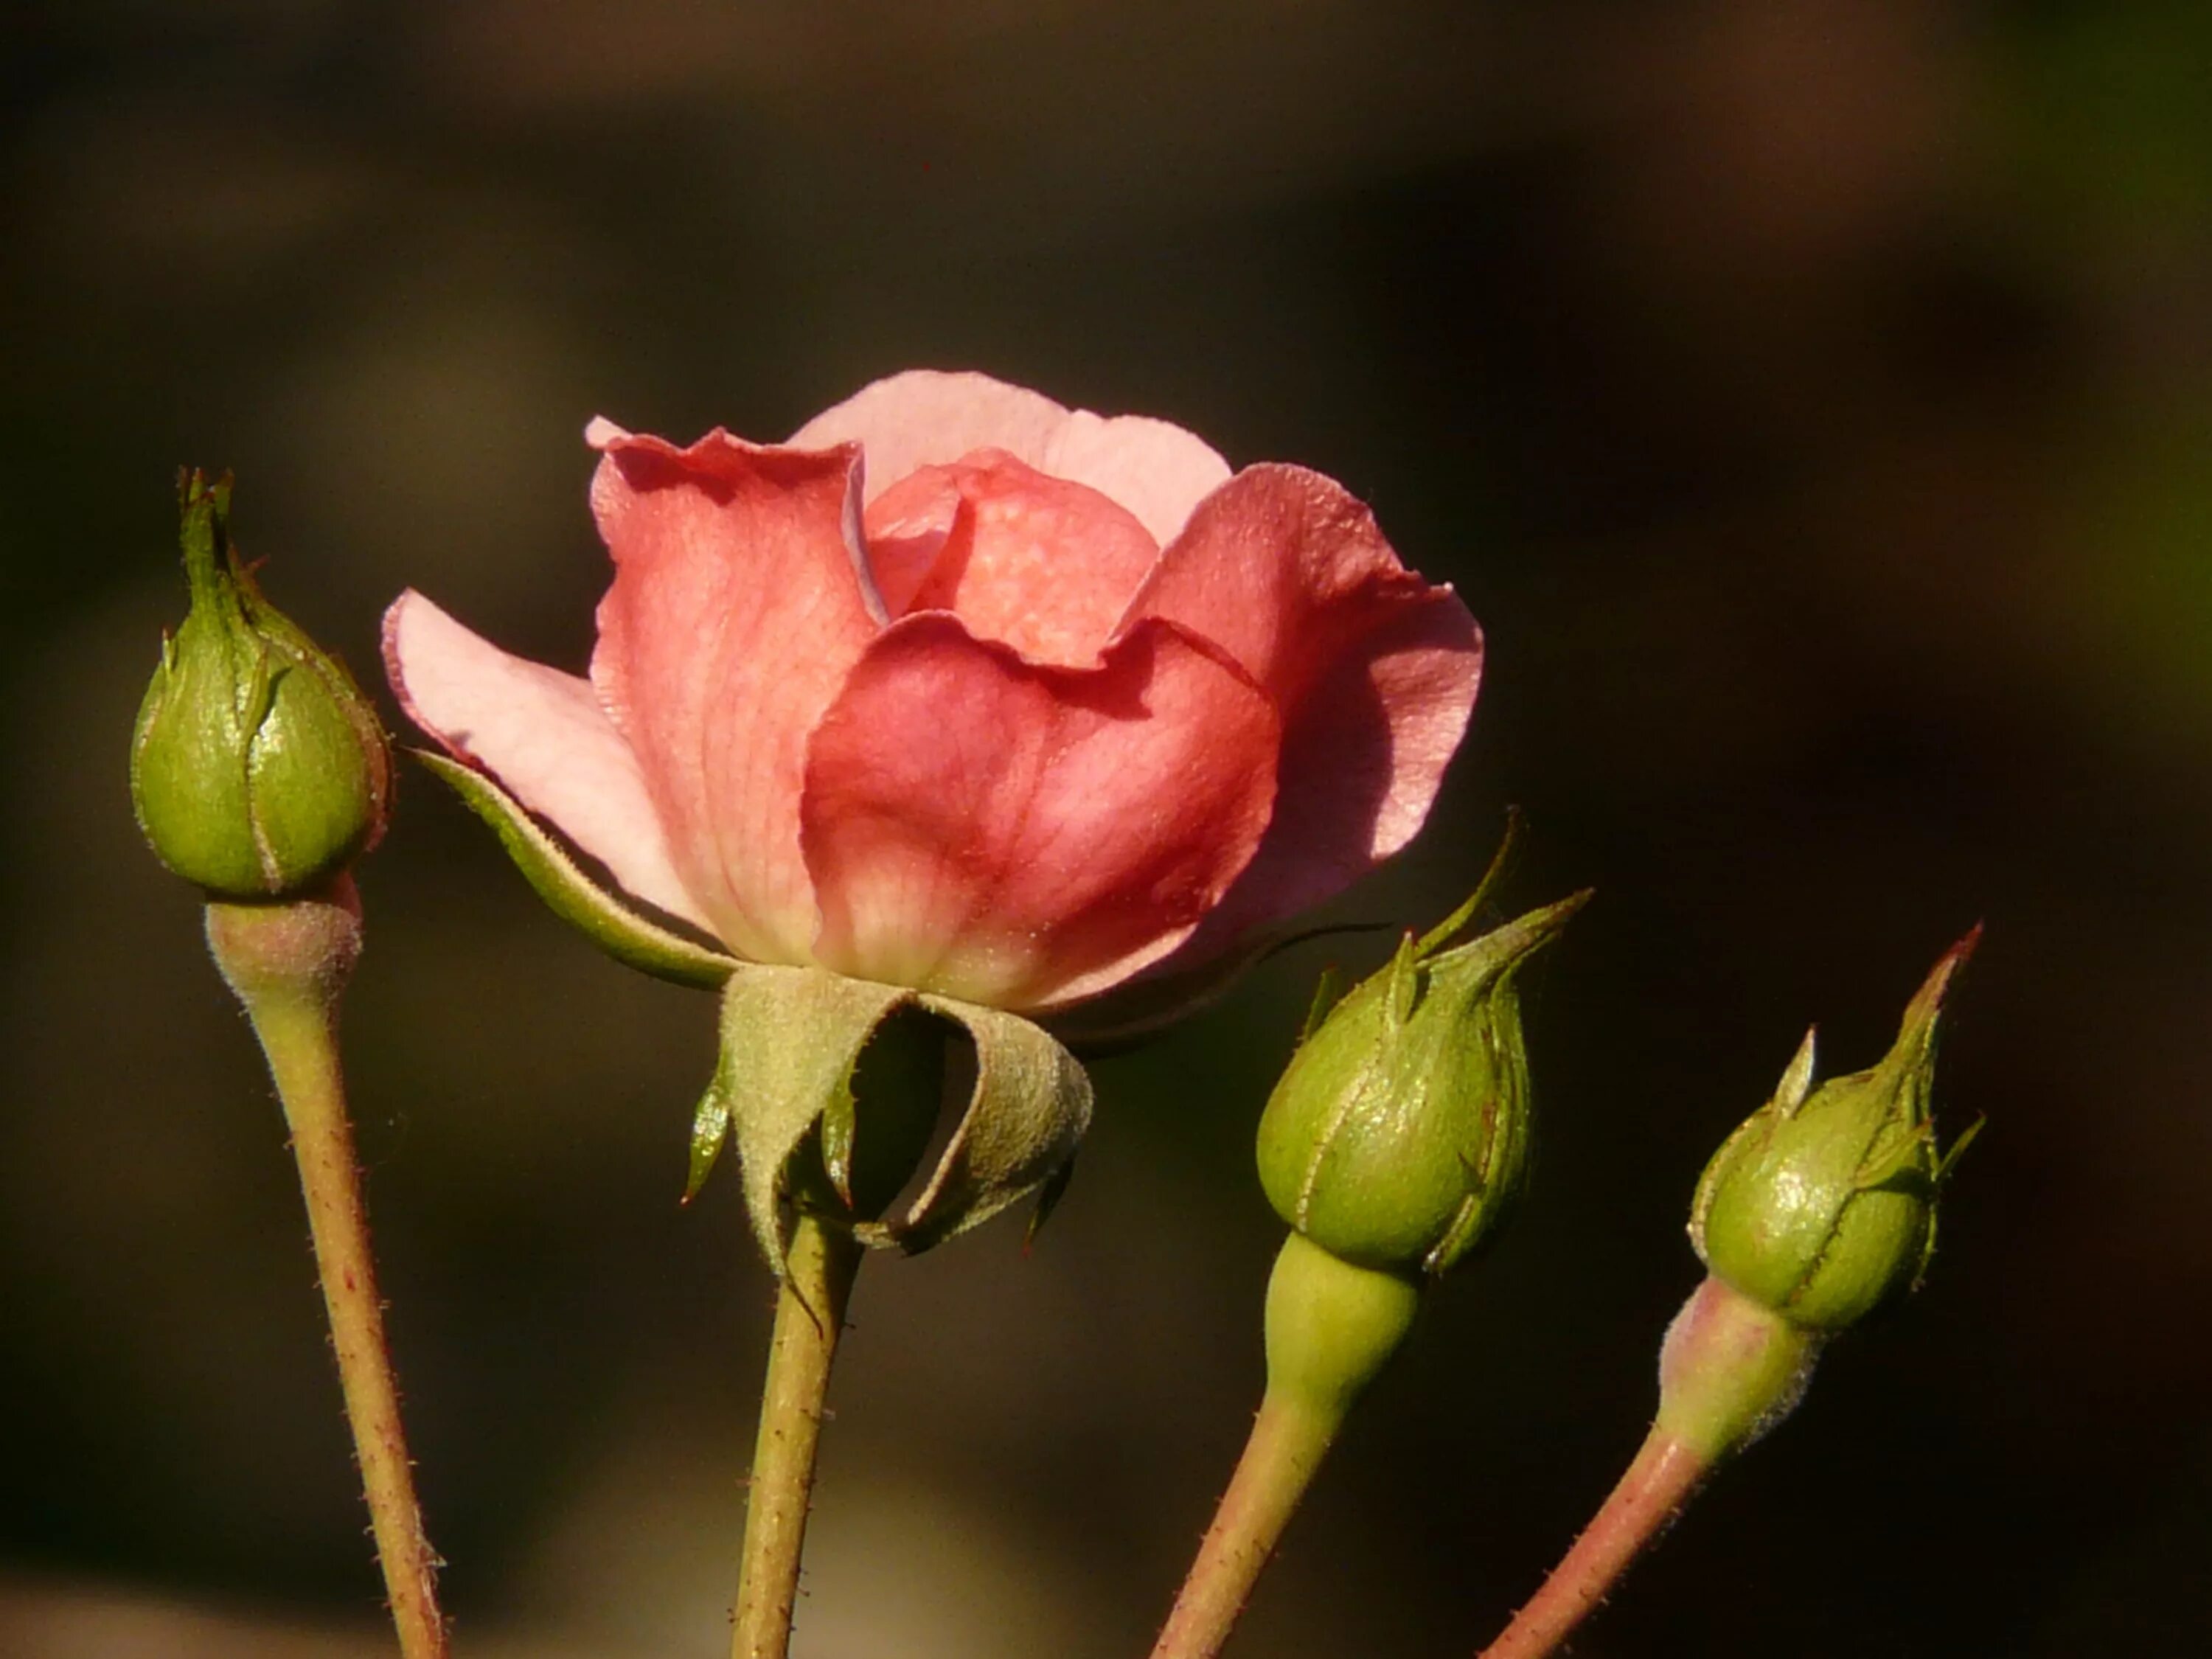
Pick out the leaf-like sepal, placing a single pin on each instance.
(791, 1038)
(575, 897)
(1024, 1120)
(795, 1040)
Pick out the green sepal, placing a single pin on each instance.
(1797, 1077)
(1445, 931)
(1404, 987)
(791, 1037)
(571, 895)
(258, 768)
(1328, 991)
(1398, 1135)
(839, 1128)
(1049, 1197)
(793, 1040)
(710, 1131)
(1948, 1161)
(1822, 1203)
(1026, 1116)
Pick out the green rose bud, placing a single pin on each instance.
(1397, 1137)
(258, 768)
(1823, 1202)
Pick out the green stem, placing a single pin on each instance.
(288, 964)
(1331, 1327)
(809, 1313)
(1664, 1476)
(1289, 1439)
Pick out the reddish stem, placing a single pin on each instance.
(1662, 1480)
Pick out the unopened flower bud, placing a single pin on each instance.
(1823, 1202)
(1398, 1135)
(258, 768)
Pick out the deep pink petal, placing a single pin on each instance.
(1036, 562)
(1373, 670)
(926, 417)
(542, 734)
(1022, 835)
(739, 604)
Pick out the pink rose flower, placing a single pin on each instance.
(963, 691)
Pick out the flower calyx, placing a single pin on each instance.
(1398, 1136)
(829, 1089)
(1822, 1204)
(258, 768)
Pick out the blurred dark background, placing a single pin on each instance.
(1813, 397)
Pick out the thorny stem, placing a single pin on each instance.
(1331, 1327)
(289, 962)
(1729, 1370)
(1664, 1476)
(809, 1313)
(1289, 1439)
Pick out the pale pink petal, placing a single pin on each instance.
(1373, 670)
(1156, 470)
(739, 603)
(543, 735)
(926, 417)
(1036, 562)
(1024, 836)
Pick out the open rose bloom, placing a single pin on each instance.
(962, 690)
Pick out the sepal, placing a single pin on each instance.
(1822, 1203)
(791, 1040)
(575, 897)
(1025, 1118)
(828, 1087)
(710, 1133)
(258, 768)
(1398, 1136)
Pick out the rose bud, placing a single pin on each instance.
(1823, 1202)
(1398, 1136)
(1007, 708)
(258, 768)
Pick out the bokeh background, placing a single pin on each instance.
(1814, 398)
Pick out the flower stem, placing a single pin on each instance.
(809, 1313)
(1665, 1474)
(1729, 1371)
(289, 962)
(1331, 1327)
(1289, 1439)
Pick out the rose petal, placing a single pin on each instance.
(739, 603)
(1036, 562)
(1360, 771)
(542, 734)
(1022, 835)
(1373, 670)
(926, 417)
(906, 527)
